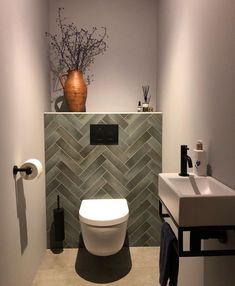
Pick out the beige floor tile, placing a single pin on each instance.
(139, 276)
(59, 269)
(144, 256)
(65, 259)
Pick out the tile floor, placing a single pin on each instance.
(134, 266)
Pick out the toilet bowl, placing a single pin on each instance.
(103, 225)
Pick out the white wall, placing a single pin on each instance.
(24, 97)
(130, 60)
(196, 93)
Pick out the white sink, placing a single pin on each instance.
(197, 201)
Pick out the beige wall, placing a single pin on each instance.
(24, 97)
(196, 93)
(130, 60)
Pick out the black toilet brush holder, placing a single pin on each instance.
(58, 214)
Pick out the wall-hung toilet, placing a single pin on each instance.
(103, 225)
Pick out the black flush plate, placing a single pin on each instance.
(103, 134)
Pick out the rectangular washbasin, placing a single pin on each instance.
(197, 201)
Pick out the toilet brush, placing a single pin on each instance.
(59, 221)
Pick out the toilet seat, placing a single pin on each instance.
(103, 212)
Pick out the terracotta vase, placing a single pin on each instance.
(75, 90)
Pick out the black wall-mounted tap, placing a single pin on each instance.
(184, 161)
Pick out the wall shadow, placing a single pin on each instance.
(21, 213)
(103, 269)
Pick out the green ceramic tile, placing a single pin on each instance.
(80, 171)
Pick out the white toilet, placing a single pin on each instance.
(103, 225)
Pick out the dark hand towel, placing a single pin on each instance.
(169, 259)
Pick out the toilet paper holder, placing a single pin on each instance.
(27, 170)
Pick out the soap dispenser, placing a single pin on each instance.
(200, 159)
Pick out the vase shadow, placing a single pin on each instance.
(60, 104)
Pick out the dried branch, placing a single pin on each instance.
(74, 49)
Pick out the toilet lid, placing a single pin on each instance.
(103, 212)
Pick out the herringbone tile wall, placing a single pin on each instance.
(77, 170)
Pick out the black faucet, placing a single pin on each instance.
(184, 160)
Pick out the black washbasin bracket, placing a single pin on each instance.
(197, 233)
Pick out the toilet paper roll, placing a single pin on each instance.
(36, 167)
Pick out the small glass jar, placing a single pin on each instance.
(145, 107)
